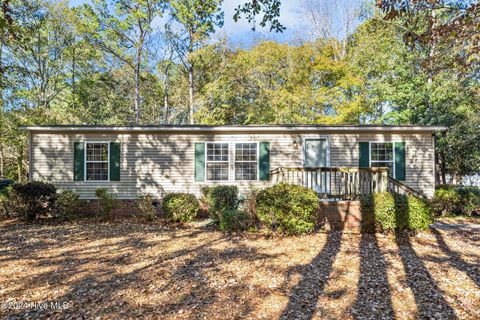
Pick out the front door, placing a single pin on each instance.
(315, 156)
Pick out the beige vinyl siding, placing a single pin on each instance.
(159, 163)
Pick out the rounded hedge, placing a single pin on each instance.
(456, 200)
(396, 212)
(180, 207)
(220, 198)
(289, 208)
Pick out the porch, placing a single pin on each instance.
(342, 183)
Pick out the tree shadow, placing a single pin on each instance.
(99, 275)
(429, 297)
(302, 303)
(455, 259)
(374, 299)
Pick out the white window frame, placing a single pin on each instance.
(85, 160)
(316, 137)
(370, 155)
(207, 161)
(234, 161)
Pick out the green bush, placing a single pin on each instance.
(66, 204)
(387, 211)
(233, 220)
(106, 203)
(290, 208)
(456, 200)
(5, 195)
(30, 199)
(146, 207)
(180, 207)
(220, 198)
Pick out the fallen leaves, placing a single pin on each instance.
(132, 270)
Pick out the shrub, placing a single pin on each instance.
(387, 211)
(290, 208)
(4, 183)
(146, 207)
(66, 204)
(30, 199)
(180, 207)
(456, 200)
(106, 203)
(233, 220)
(220, 198)
(5, 193)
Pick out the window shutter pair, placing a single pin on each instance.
(79, 161)
(399, 150)
(263, 161)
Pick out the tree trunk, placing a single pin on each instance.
(137, 93)
(20, 167)
(165, 95)
(2, 161)
(190, 92)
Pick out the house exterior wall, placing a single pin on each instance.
(158, 163)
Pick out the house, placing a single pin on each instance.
(334, 160)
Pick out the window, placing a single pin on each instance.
(246, 161)
(217, 161)
(381, 155)
(96, 161)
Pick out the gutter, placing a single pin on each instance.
(251, 129)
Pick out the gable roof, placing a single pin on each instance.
(236, 128)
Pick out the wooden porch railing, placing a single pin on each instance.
(333, 182)
(396, 186)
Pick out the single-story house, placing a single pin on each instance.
(135, 160)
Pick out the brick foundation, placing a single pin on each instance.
(338, 215)
(124, 208)
(335, 215)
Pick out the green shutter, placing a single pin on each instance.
(199, 161)
(400, 161)
(78, 161)
(364, 155)
(264, 161)
(114, 161)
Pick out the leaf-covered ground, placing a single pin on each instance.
(133, 270)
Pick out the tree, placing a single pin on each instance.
(332, 21)
(197, 20)
(278, 83)
(121, 31)
(401, 89)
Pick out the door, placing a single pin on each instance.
(315, 156)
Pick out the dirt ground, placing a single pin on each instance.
(88, 270)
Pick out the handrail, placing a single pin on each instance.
(395, 186)
(334, 182)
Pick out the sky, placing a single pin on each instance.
(240, 32)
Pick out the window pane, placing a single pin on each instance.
(217, 171)
(245, 170)
(382, 151)
(388, 165)
(217, 151)
(246, 152)
(97, 151)
(97, 170)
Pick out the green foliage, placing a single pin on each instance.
(456, 200)
(394, 212)
(66, 204)
(106, 203)
(146, 207)
(233, 220)
(180, 207)
(290, 208)
(30, 199)
(220, 198)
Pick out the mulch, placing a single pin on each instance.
(127, 269)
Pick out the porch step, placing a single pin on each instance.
(341, 215)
